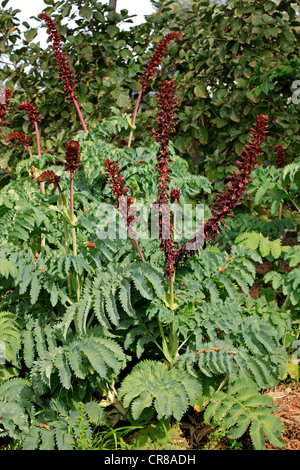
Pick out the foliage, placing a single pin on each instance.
(98, 328)
(276, 187)
(170, 390)
(241, 407)
(223, 83)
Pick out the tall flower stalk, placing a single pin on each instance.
(117, 184)
(35, 118)
(50, 177)
(166, 120)
(149, 71)
(72, 164)
(223, 207)
(64, 67)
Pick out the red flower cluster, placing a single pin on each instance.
(117, 185)
(166, 121)
(50, 177)
(230, 198)
(5, 97)
(280, 156)
(31, 110)
(155, 60)
(72, 157)
(175, 195)
(66, 71)
(18, 137)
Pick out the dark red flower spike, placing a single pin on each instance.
(117, 185)
(64, 67)
(31, 110)
(157, 56)
(229, 198)
(72, 157)
(50, 177)
(18, 137)
(166, 120)
(280, 156)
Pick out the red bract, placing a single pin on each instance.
(90, 245)
(66, 71)
(280, 156)
(31, 110)
(18, 137)
(155, 60)
(72, 156)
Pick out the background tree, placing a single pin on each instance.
(234, 62)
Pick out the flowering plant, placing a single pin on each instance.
(83, 309)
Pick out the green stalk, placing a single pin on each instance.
(165, 347)
(293, 202)
(74, 242)
(67, 242)
(134, 116)
(172, 293)
(170, 347)
(66, 231)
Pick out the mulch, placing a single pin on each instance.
(287, 400)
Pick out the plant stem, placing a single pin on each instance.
(293, 202)
(165, 348)
(72, 214)
(74, 243)
(39, 150)
(37, 138)
(172, 293)
(134, 116)
(66, 233)
(139, 249)
(79, 114)
(174, 219)
(65, 223)
(280, 212)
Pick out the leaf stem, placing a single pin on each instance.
(139, 249)
(74, 242)
(134, 116)
(79, 114)
(39, 150)
(72, 214)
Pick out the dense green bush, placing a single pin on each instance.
(233, 63)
